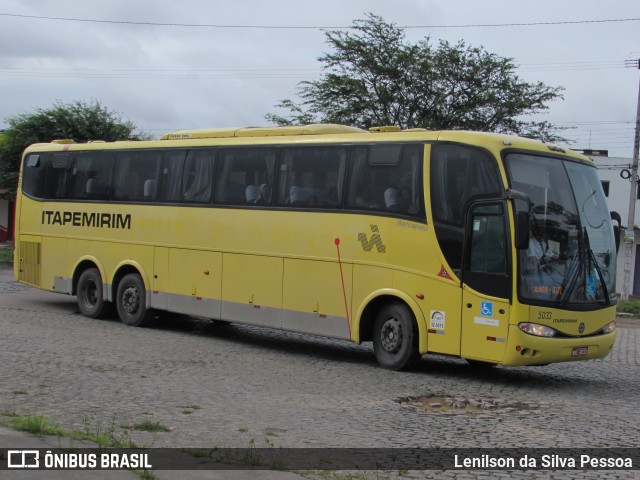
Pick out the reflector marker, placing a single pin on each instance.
(496, 339)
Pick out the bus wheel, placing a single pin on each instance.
(130, 301)
(395, 342)
(90, 295)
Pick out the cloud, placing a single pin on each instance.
(191, 77)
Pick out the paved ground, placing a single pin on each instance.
(237, 386)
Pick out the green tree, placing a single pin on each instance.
(79, 121)
(373, 77)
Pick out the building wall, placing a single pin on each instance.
(609, 170)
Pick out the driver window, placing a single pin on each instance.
(488, 249)
(486, 258)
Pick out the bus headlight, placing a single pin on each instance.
(609, 328)
(537, 330)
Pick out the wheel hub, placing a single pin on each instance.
(91, 294)
(130, 300)
(391, 335)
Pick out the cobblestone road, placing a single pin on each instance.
(236, 386)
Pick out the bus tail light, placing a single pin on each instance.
(609, 328)
(537, 330)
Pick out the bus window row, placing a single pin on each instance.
(377, 178)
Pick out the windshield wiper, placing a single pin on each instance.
(597, 267)
(577, 266)
(571, 279)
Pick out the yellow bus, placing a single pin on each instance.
(492, 248)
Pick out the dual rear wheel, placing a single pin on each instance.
(90, 295)
(130, 300)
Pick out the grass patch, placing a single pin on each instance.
(189, 409)
(36, 424)
(149, 426)
(104, 437)
(629, 306)
(6, 256)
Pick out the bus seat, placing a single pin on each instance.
(297, 196)
(391, 197)
(149, 188)
(302, 195)
(252, 193)
(92, 186)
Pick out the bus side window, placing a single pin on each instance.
(312, 177)
(197, 180)
(245, 175)
(171, 176)
(58, 173)
(136, 175)
(91, 179)
(458, 175)
(386, 178)
(34, 174)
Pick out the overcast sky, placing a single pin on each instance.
(171, 77)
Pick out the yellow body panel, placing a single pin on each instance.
(315, 272)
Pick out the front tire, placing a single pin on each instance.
(90, 295)
(395, 337)
(131, 301)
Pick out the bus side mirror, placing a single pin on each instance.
(523, 223)
(615, 216)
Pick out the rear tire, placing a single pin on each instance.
(395, 337)
(131, 301)
(90, 295)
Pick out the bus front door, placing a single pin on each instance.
(486, 284)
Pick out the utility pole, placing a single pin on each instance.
(629, 234)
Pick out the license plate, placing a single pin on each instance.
(578, 351)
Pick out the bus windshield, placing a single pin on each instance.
(571, 257)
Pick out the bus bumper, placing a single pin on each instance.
(525, 349)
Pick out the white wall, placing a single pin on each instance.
(609, 169)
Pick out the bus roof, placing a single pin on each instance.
(313, 129)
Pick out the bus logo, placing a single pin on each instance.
(23, 459)
(375, 240)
